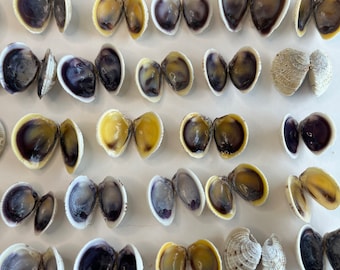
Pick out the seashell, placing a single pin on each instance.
(148, 133)
(129, 258)
(273, 256)
(72, 145)
(203, 254)
(233, 13)
(303, 12)
(197, 14)
(178, 72)
(241, 251)
(80, 201)
(215, 70)
(289, 69)
(309, 248)
(18, 67)
(166, 15)
(18, 203)
(34, 138)
(136, 16)
(297, 199)
(189, 189)
(331, 242)
(290, 135)
(327, 18)
(77, 77)
(318, 132)
(148, 78)
(171, 255)
(112, 201)
(47, 75)
(62, 10)
(320, 72)
(250, 183)
(113, 132)
(23, 256)
(321, 186)
(161, 199)
(267, 15)
(219, 196)
(195, 134)
(111, 68)
(245, 68)
(230, 134)
(45, 212)
(106, 14)
(3, 138)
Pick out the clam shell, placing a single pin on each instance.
(72, 145)
(233, 13)
(219, 196)
(34, 139)
(331, 242)
(303, 12)
(161, 199)
(148, 131)
(327, 18)
(166, 15)
(136, 16)
(273, 256)
(47, 75)
(320, 72)
(195, 134)
(296, 198)
(129, 258)
(77, 77)
(289, 69)
(245, 69)
(113, 132)
(148, 77)
(290, 135)
(80, 202)
(62, 10)
(241, 251)
(267, 15)
(215, 70)
(3, 138)
(45, 213)
(197, 14)
(52, 259)
(171, 255)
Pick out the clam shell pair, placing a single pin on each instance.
(325, 13)
(114, 131)
(166, 15)
(230, 133)
(201, 254)
(35, 15)
(317, 131)
(290, 68)
(20, 67)
(266, 15)
(246, 180)
(162, 194)
(83, 195)
(23, 256)
(242, 251)
(35, 137)
(99, 254)
(21, 201)
(107, 14)
(244, 70)
(311, 248)
(320, 185)
(177, 70)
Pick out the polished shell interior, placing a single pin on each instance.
(232, 13)
(327, 18)
(197, 14)
(47, 75)
(290, 135)
(331, 243)
(171, 256)
(62, 10)
(303, 13)
(45, 212)
(136, 16)
(148, 133)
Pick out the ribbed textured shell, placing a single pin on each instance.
(273, 257)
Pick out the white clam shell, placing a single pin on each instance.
(242, 251)
(47, 75)
(273, 256)
(320, 73)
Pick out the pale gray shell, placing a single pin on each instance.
(320, 72)
(3, 137)
(273, 256)
(289, 69)
(242, 251)
(47, 75)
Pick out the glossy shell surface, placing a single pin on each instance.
(327, 18)
(77, 76)
(233, 13)
(331, 242)
(137, 17)
(45, 213)
(290, 135)
(171, 255)
(47, 75)
(303, 12)
(62, 10)
(197, 14)
(113, 132)
(273, 256)
(34, 138)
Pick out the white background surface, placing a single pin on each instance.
(263, 110)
